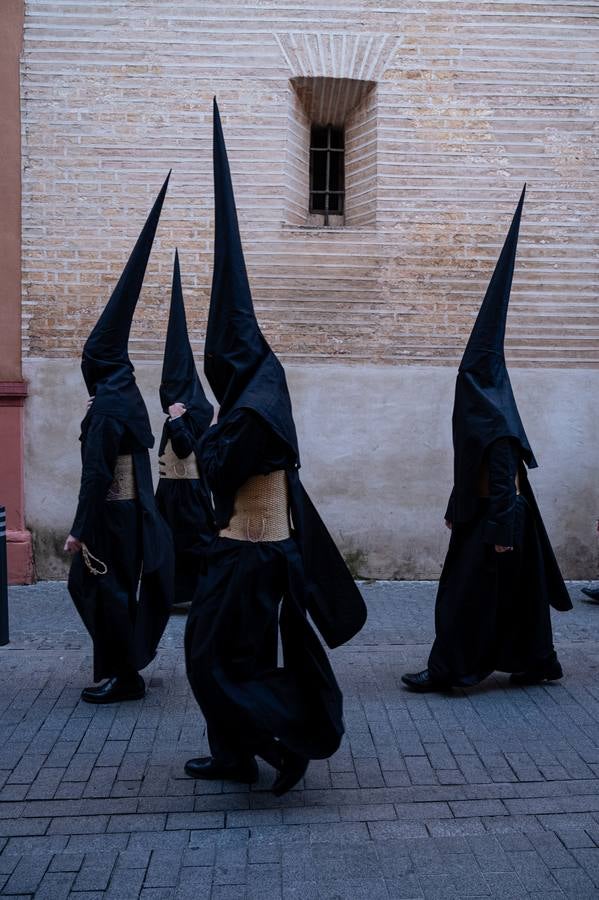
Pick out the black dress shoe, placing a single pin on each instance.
(422, 683)
(549, 670)
(209, 769)
(591, 593)
(181, 608)
(293, 768)
(115, 690)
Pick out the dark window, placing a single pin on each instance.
(327, 170)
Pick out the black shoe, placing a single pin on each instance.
(422, 683)
(550, 670)
(591, 593)
(115, 690)
(293, 768)
(181, 608)
(209, 769)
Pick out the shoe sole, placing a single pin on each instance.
(439, 689)
(210, 777)
(101, 702)
(546, 679)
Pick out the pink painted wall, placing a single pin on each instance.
(13, 389)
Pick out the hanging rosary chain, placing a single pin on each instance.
(87, 559)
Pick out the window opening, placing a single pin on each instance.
(327, 171)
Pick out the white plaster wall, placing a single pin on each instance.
(376, 458)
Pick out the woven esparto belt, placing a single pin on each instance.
(261, 511)
(123, 483)
(170, 466)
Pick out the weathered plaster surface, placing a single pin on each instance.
(376, 458)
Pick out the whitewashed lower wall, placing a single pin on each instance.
(376, 455)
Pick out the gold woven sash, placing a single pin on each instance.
(123, 483)
(261, 511)
(170, 466)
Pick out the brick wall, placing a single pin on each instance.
(472, 99)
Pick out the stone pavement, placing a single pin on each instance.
(490, 793)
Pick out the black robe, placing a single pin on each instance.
(249, 593)
(492, 609)
(185, 506)
(128, 536)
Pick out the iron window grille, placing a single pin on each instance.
(327, 171)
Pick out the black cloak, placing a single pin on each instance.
(180, 381)
(184, 502)
(492, 609)
(244, 373)
(231, 635)
(484, 406)
(485, 409)
(126, 535)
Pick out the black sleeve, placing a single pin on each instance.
(180, 436)
(99, 453)
(502, 461)
(234, 451)
(450, 511)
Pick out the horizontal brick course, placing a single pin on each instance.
(472, 99)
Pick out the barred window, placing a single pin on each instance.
(327, 170)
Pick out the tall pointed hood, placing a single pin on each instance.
(106, 367)
(484, 407)
(242, 369)
(180, 382)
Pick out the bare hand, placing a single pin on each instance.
(177, 410)
(72, 544)
(500, 549)
(448, 524)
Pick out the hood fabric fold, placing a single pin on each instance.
(241, 368)
(107, 369)
(180, 381)
(484, 406)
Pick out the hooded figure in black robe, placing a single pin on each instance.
(118, 536)
(273, 560)
(181, 497)
(500, 575)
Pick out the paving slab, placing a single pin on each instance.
(492, 792)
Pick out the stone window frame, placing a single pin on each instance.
(346, 102)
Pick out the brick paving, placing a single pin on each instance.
(488, 793)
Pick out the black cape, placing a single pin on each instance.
(484, 405)
(184, 502)
(231, 636)
(133, 541)
(492, 610)
(248, 594)
(128, 536)
(244, 373)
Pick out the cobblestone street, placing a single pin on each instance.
(490, 793)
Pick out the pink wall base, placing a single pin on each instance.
(18, 544)
(19, 550)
